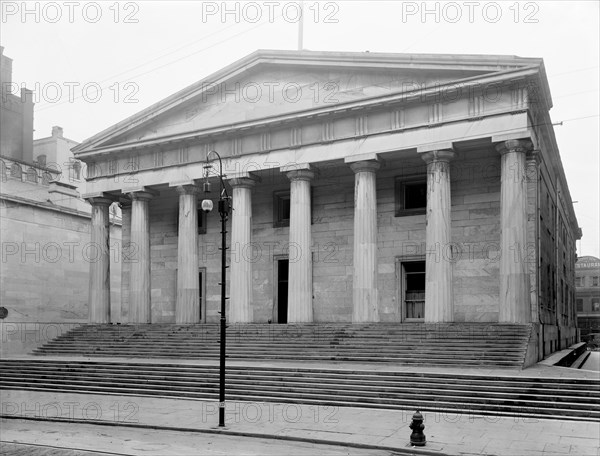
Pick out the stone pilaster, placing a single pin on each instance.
(300, 308)
(514, 280)
(439, 306)
(139, 284)
(99, 291)
(126, 257)
(187, 307)
(533, 160)
(240, 295)
(365, 306)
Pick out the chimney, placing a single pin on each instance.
(57, 132)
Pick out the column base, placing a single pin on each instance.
(365, 306)
(187, 311)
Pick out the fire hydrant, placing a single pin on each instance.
(417, 438)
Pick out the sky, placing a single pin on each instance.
(92, 64)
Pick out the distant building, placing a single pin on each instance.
(587, 296)
(55, 151)
(16, 115)
(367, 188)
(45, 229)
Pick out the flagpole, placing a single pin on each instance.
(301, 27)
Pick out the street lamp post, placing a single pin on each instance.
(207, 206)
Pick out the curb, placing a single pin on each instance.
(216, 431)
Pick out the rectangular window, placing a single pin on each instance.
(595, 280)
(595, 304)
(580, 305)
(74, 170)
(578, 281)
(281, 209)
(411, 196)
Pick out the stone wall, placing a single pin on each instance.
(44, 272)
(475, 234)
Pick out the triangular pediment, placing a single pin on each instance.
(268, 84)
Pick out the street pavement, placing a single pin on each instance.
(592, 363)
(42, 438)
(361, 430)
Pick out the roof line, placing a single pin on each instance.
(254, 58)
(311, 112)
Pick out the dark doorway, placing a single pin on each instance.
(413, 273)
(282, 290)
(202, 294)
(200, 283)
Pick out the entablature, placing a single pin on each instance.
(396, 143)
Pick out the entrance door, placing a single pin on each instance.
(413, 290)
(281, 306)
(201, 292)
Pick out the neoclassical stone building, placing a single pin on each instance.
(365, 187)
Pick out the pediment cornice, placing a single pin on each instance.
(396, 100)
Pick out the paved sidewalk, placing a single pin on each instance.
(447, 433)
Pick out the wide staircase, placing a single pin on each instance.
(449, 393)
(403, 367)
(415, 344)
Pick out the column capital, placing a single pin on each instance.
(514, 145)
(142, 195)
(99, 201)
(124, 202)
(368, 166)
(187, 189)
(246, 180)
(295, 167)
(300, 175)
(442, 155)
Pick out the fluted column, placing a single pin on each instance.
(364, 280)
(514, 280)
(300, 308)
(187, 307)
(439, 306)
(139, 283)
(126, 257)
(240, 295)
(99, 259)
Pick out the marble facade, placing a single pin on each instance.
(344, 159)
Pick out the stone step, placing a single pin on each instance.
(277, 383)
(423, 402)
(447, 410)
(99, 366)
(449, 349)
(461, 344)
(296, 391)
(412, 361)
